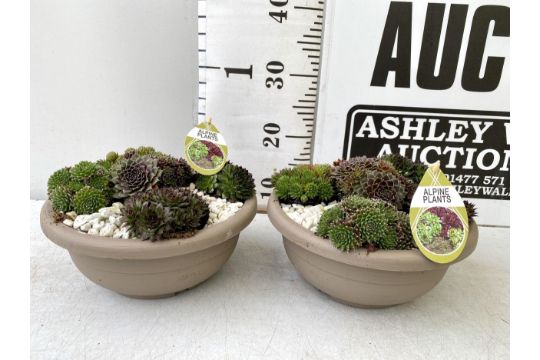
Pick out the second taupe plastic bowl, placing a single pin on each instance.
(379, 279)
(145, 269)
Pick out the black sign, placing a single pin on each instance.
(472, 146)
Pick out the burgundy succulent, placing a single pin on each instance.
(213, 149)
(449, 219)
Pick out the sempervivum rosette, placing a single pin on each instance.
(175, 172)
(134, 174)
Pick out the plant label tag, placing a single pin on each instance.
(205, 149)
(439, 221)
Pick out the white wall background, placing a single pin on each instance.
(108, 74)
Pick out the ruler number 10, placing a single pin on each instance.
(274, 67)
(281, 15)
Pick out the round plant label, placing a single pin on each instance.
(205, 149)
(439, 221)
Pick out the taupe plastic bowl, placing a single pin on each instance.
(382, 278)
(145, 269)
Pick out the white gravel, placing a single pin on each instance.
(220, 209)
(108, 221)
(308, 216)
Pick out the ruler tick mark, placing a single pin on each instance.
(309, 42)
(303, 75)
(298, 137)
(308, 8)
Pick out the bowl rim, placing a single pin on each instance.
(389, 260)
(136, 249)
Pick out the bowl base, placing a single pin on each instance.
(153, 297)
(361, 306)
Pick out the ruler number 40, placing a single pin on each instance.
(281, 15)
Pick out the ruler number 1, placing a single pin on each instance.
(238, 71)
(281, 15)
(275, 67)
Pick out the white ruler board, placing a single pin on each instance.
(427, 78)
(259, 64)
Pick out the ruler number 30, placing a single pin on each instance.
(281, 15)
(274, 67)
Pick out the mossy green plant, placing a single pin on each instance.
(304, 184)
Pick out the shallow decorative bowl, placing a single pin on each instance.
(145, 269)
(378, 279)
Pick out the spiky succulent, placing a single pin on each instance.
(406, 167)
(385, 186)
(134, 174)
(105, 164)
(88, 200)
(60, 177)
(376, 227)
(372, 223)
(86, 170)
(344, 238)
(405, 240)
(174, 172)
(305, 184)
(147, 220)
(235, 183)
(329, 219)
(206, 183)
(61, 198)
(189, 211)
(346, 172)
(165, 213)
(472, 211)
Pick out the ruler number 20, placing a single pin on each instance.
(271, 129)
(281, 15)
(274, 67)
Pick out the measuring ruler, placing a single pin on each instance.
(259, 64)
